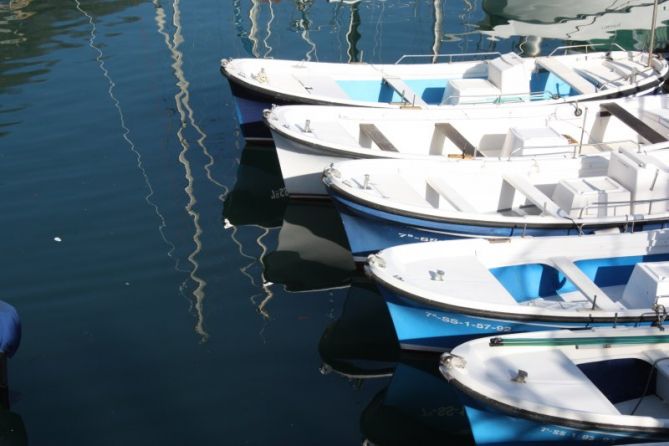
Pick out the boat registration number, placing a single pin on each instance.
(470, 324)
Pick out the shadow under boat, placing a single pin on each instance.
(312, 251)
(361, 343)
(419, 407)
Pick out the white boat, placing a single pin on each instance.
(441, 294)
(388, 202)
(604, 385)
(308, 138)
(258, 83)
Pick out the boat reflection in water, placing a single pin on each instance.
(252, 213)
(258, 197)
(626, 23)
(418, 407)
(312, 250)
(361, 343)
(301, 246)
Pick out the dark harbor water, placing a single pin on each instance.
(169, 292)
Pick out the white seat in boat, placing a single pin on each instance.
(646, 177)
(320, 85)
(371, 133)
(398, 189)
(586, 286)
(449, 194)
(599, 196)
(465, 277)
(534, 195)
(333, 132)
(532, 141)
(404, 91)
(601, 75)
(559, 385)
(470, 91)
(627, 67)
(567, 74)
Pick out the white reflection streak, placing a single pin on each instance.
(181, 100)
(438, 18)
(265, 285)
(126, 135)
(269, 30)
(268, 294)
(253, 17)
(305, 23)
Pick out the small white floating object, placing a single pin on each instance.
(57, 239)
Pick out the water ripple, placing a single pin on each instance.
(126, 135)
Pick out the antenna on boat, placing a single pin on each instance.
(652, 34)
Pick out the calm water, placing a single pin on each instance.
(169, 293)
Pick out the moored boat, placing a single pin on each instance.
(564, 387)
(308, 138)
(464, 80)
(388, 202)
(441, 294)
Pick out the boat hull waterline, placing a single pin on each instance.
(424, 327)
(370, 230)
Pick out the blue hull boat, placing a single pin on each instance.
(441, 294)
(604, 386)
(492, 427)
(384, 203)
(420, 327)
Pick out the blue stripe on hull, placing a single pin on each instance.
(423, 327)
(250, 112)
(490, 427)
(370, 230)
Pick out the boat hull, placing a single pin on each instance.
(493, 427)
(249, 107)
(302, 168)
(370, 230)
(420, 326)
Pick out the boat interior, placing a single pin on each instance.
(603, 384)
(626, 184)
(566, 131)
(607, 284)
(504, 78)
(646, 388)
